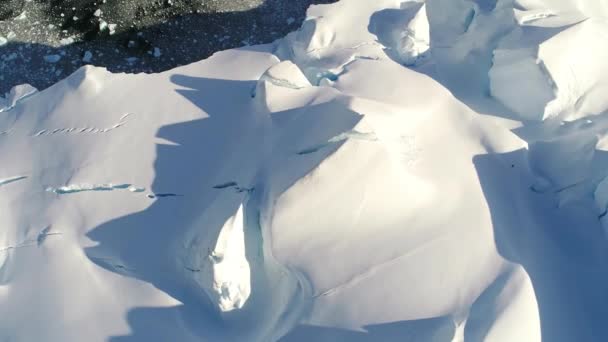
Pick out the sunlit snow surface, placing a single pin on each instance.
(392, 171)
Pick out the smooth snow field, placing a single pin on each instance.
(392, 171)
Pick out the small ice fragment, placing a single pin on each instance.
(225, 185)
(66, 41)
(52, 58)
(17, 93)
(21, 16)
(88, 55)
(103, 25)
(157, 52)
(11, 180)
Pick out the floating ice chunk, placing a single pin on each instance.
(17, 94)
(88, 55)
(3, 41)
(103, 25)
(97, 13)
(52, 58)
(21, 16)
(67, 41)
(156, 52)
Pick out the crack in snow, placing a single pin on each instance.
(11, 180)
(353, 134)
(359, 277)
(84, 130)
(40, 239)
(112, 263)
(234, 185)
(75, 188)
(161, 195)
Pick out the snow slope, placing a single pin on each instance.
(392, 171)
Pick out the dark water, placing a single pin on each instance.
(43, 41)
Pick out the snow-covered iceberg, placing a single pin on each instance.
(392, 171)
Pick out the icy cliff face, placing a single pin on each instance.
(392, 171)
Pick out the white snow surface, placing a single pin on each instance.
(16, 94)
(392, 171)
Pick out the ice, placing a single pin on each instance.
(559, 68)
(88, 56)
(390, 171)
(15, 96)
(230, 270)
(52, 58)
(157, 52)
(405, 32)
(21, 16)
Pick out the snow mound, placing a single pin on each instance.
(17, 94)
(392, 171)
(551, 71)
(404, 32)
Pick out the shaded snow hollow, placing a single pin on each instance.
(392, 171)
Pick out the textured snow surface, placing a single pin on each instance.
(16, 94)
(392, 171)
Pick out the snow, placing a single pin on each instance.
(391, 171)
(231, 273)
(405, 32)
(562, 69)
(16, 95)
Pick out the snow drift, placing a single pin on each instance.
(392, 171)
